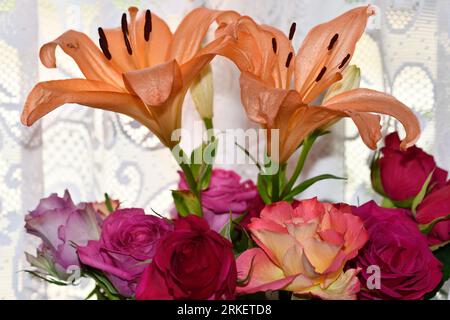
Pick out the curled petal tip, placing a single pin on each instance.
(47, 55)
(405, 144)
(24, 119)
(371, 10)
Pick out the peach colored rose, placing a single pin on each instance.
(304, 250)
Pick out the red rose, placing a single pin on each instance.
(403, 172)
(436, 205)
(408, 268)
(192, 262)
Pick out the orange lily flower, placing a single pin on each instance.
(142, 69)
(266, 59)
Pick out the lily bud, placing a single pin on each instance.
(351, 78)
(202, 92)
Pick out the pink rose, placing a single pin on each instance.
(403, 172)
(127, 243)
(226, 193)
(192, 262)
(303, 250)
(61, 224)
(408, 268)
(436, 205)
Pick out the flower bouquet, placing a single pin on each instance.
(227, 238)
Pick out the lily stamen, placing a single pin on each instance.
(288, 60)
(292, 30)
(125, 32)
(333, 41)
(321, 73)
(103, 42)
(347, 57)
(274, 45)
(148, 25)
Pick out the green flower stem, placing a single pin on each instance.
(190, 178)
(275, 186)
(307, 144)
(209, 128)
(208, 123)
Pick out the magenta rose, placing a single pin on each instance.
(408, 268)
(227, 193)
(404, 172)
(127, 243)
(192, 262)
(436, 205)
(61, 224)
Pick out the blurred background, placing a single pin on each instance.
(405, 51)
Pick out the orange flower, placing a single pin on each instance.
(144, 70)
(303, 250)
(267, 62)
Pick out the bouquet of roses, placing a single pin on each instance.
(229, 238)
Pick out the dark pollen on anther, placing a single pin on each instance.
(104, 44)
(344, 61)
(274, 45)
(288, 60)
(124, 24)
(292, 30)
(321, 73)
(125, 34)
(148, 25)
(333, 41)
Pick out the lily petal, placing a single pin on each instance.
(47, 96)
(264, 274)
(263, 102)
(189, 35)
(156, 84)
(366, 100)
(258, 49)
(297, 126)
(87, 56)
(329, 45)
(281, 74)
(144, 53)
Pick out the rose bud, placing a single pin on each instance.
(401, 174)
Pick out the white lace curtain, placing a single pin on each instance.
(405, 51)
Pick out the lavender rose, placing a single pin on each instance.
(61, 225)
(227, 193)
(408, 268)
(128, 240)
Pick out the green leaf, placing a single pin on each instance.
(108, 290)
(443, 255)
(201, 164)
(439, 245)
(244, 242)
(108, 203)
(227, 228)
(375, 176)
(387, 203)
(186, 203)
(262, 185)
(426, 228)
(419, 197)
(307, 183)
(48, 278)
(196, 161)
(247, 153)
